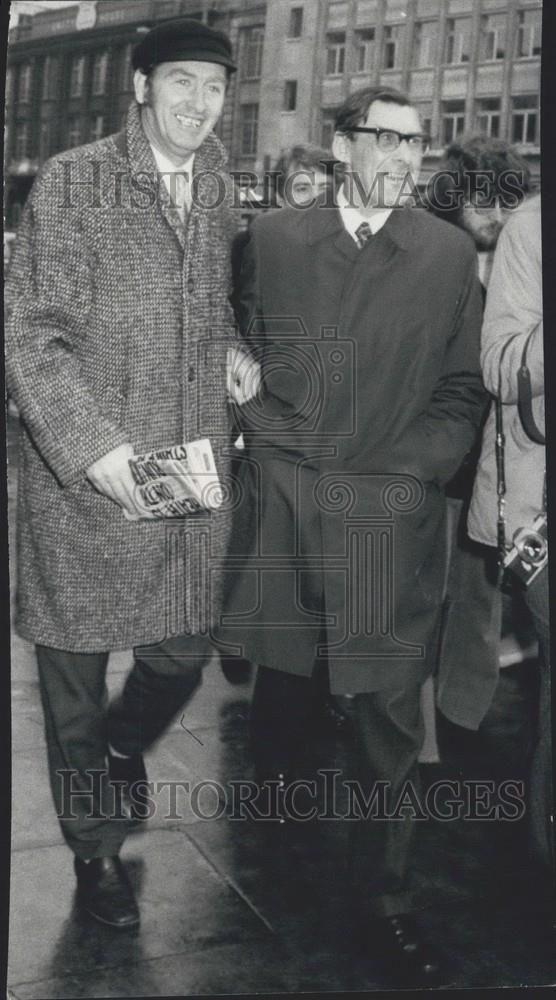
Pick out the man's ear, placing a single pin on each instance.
(140, 84)
(341, 147)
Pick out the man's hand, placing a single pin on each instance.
(243, 375)
(112, 477)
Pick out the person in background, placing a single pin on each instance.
(111, 305)
(479, 184)
(512, 337)
(302, 173)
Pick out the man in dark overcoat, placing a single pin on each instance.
(366, 318)
(119, 341)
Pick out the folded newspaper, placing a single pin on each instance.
(176, 481)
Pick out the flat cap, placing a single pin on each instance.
(182, 39)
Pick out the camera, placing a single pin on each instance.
(529, 553)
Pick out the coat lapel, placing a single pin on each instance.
(209, 157)
(325, 222)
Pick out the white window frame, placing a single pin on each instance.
(527, 114)
(390, 43)
(94, 131)
(100, 74)
(21, 144)
(253, 126)
(25, 83)
(74, 135)
(455, 117)
(489, 40)
(365, 51)
(523, 29)
(45, 140)
(253, 41)
(77, 76)
(418, 62)
(455, 41)
(327, 133)
(337, 50)
(485, 119)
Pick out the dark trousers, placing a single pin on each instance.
(390, 732)
(79, 725)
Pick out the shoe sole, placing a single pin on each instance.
(107, 923)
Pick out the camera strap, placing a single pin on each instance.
(524, 395)
(524, 405)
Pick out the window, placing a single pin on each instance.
(100, 72)
(424, 44)
(77, 76)
(248, 128)
(9, 85)
(488, 116)
(21, 148)
(74, 132)
(97, 127)
(525, 119)
(50, 78)
(126, 69)
(296, 22)
(390, 46)
(290, 95)
(493, 37)
(458, 40)
(45, 141)
(252, 49)
(335, 55)
(528, 34)
(425, 116)
(364, 51)
(327, 132)
(25, 78)
(453, 120)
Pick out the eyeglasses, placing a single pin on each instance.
(387, 139)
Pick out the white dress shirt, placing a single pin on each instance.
(352, 217)
(179, 191)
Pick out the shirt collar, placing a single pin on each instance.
(352, 217)
(165, 166)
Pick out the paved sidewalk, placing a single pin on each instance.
(239, 906)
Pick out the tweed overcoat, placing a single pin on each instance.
(117, 331)
(372, 395)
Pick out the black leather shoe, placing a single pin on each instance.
(105, 893)
(406, 955)
(236, 669)
(128, 771)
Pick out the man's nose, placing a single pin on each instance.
(404, 152)
(196, 98)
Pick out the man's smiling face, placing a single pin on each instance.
(182, 101)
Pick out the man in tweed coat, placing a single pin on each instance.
(118, 336)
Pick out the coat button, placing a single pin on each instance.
(191, 374)
(190, 285)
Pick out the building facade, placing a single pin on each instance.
(469, 66)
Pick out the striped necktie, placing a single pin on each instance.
(180, 182)
(363, 233)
